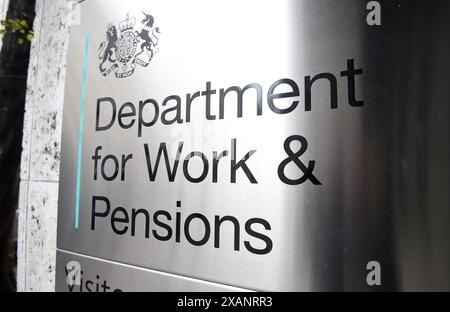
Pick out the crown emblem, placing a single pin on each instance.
(127, 24)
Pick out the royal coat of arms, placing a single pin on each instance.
(121, 54)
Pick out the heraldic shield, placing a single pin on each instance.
(134, 45)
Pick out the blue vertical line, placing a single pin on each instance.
(80, 136)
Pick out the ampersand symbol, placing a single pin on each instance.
(295, 157)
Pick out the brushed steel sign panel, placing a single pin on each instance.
(269, 145)
(97, 275)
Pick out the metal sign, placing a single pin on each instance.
(239, 143)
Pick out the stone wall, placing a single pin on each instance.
(41, 148)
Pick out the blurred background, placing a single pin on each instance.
(16, 28)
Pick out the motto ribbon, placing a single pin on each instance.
(116, 69)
